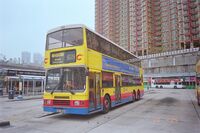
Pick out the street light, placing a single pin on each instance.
(20, 97)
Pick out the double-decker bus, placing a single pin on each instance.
(198, 81)
(87, 73)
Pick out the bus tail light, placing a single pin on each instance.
(76, 103)
(47, 102)
(79, 103)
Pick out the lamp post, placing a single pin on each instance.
(20, 97)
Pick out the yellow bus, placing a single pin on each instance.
(87, 73)
(198, 81)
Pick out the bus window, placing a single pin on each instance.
(125, 80)
(63, 79)
(193, 83)
(65, 38)
(107, 79)
(105, 46)
(54, 40)
(102, 45)
(92, 41)
(91, 84)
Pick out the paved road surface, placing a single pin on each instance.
(160, 111)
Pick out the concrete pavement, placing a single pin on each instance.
(161, 111)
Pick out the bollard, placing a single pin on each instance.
(4, 123)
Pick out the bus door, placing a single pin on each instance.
(117, 89)
(94, 91)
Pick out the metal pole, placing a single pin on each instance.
(42, 89)
(10, 85)
(27, 87)
(23, 87)
(33, 86)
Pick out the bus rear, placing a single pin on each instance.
(66, 71)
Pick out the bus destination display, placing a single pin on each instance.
(62, 57)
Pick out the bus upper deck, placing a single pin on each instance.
(81, 37)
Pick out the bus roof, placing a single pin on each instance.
(83, 26)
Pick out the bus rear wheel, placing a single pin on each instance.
(134, 96)
(138, 95)
(198, 99)
(106, 104)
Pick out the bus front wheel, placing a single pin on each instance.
(106, 104)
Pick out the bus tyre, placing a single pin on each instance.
(138, 95)
(198, 99)
(106, 104)
(134, 96)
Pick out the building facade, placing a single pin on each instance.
(149, 26)
(25, 57)
(176, 65)
(31, 77)
(37, 59)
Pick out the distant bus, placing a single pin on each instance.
(167, 84)
(198, 81)
(87, 73)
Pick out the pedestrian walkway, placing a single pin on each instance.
(16, 98)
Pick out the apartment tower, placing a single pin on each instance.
(149, 26)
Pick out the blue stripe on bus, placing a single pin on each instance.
(82, 111)
(122, 101)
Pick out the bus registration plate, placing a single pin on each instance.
(60, 110)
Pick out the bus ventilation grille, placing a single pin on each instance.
(61, 102)
(61, 97)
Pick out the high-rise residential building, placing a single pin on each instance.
(149, 26)
(25, 57)
(107, 20)
(37, 59)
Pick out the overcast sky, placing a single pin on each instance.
(24, 23)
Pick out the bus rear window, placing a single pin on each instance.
(65, 38)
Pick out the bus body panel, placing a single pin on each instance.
(94, 60)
